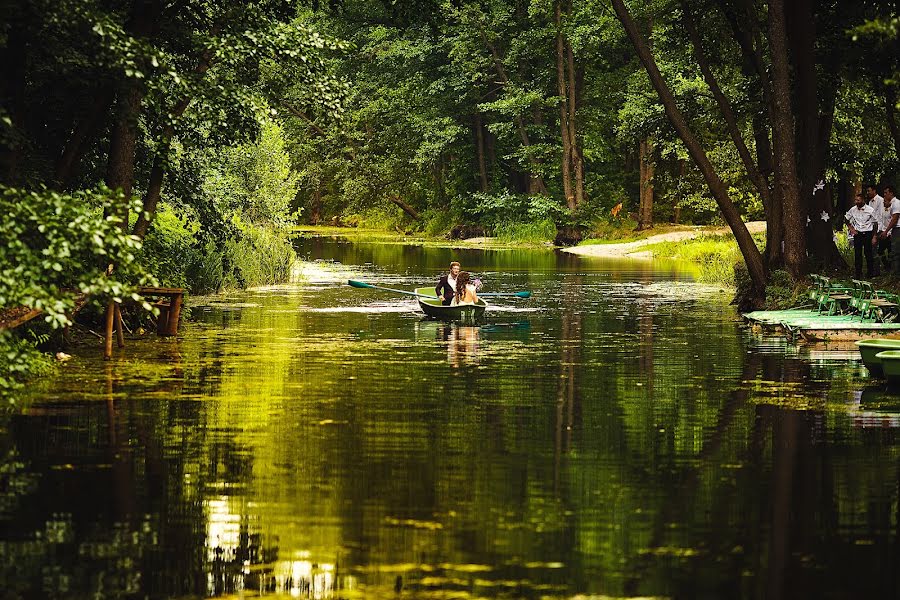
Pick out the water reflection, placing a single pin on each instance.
(625, 439)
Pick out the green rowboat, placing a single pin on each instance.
(890, 365)
(869, 351)
(433, 308)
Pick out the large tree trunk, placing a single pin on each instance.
(786, 179)
(749, 251)
(120, 168)
(647, 168)
(566, 161)
(813, 132)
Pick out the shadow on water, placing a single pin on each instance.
(616, 435)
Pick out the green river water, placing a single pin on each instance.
(617, 435)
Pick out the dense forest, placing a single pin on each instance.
(147, 141)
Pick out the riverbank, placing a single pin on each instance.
(644, 248)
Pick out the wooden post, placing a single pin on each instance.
(110, 314)
(162, 321)
(174, 314)
(120, 330)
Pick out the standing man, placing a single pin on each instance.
(887, 212)
(862, 224)
(872, 195)
(446, 286)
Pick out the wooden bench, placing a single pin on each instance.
(169, 308)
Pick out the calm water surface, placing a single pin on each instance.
(617, 435)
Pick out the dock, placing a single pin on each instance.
(810, 325)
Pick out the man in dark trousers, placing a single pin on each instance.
(446, 286)
(863, 226)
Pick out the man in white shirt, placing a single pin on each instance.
(862, 224)
(872, 195)
(887, 212)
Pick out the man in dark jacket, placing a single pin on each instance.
(446, 286)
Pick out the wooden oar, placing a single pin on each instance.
(522, 294)
(362, 284)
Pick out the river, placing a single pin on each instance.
(618, 434)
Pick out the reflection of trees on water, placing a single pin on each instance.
(542, 468)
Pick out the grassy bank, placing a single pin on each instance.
(714, 255)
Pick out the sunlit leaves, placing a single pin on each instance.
(58, 246)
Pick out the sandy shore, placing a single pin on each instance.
(634, 249)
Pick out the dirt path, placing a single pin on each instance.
(633, 249)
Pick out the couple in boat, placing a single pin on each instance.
(457, 287)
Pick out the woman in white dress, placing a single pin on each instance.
(465, 290)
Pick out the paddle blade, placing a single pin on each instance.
(359, 284)
(524, 294)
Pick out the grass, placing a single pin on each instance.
(714, 255)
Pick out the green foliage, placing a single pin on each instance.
(20, 361)
(262, 256)
(505, 208)
(529, 231)
(255, 179)
(179, 254)
(58, 246)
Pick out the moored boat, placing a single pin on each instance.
(869, 351)
(890, 365)
(433, 308)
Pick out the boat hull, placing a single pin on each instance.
(869, 350)
(890, 364)
(433, 308)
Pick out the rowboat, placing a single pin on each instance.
(433, 308)
(869, 350)
(890, 364)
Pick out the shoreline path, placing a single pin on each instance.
(633, 249)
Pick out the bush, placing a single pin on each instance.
(262, 256)
(20, 360)
(58, 246)
(534, 232)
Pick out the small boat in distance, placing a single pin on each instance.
(432, 307)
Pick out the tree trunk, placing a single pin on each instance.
(479, 151)
(745, 242)
(405, 207)
(151, 198)
(84, 132)
(120, 168)
(747, 34)
(756, 176)
(158, 172)
(566, 162)
(786, 179)
(536, 182)
(647, 168)
(577, 157)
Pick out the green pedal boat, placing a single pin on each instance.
(433, 308)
